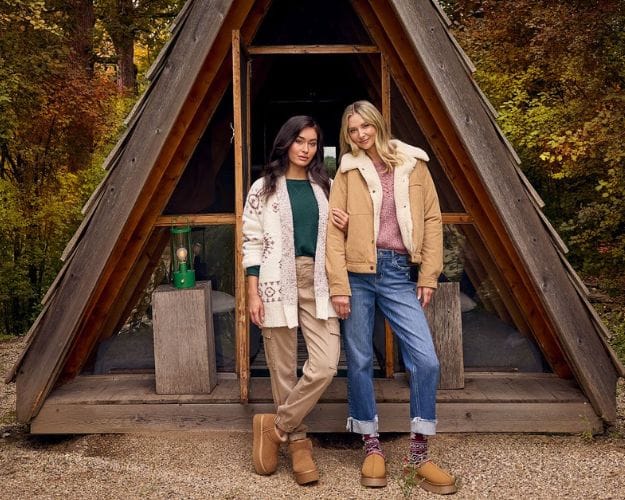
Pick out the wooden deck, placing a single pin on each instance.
(490, 402)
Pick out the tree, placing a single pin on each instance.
(555, 71)
(129, 21)
(53, 114)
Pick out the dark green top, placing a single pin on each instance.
(305, 219)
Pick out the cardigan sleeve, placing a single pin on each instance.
(253, 226)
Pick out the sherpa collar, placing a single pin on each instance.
(350, 161)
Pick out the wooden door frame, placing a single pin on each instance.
(242, 106)
(241, 124)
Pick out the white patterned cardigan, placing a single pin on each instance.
(268, 242)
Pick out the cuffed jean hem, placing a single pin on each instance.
(421, 426)
(363, 426)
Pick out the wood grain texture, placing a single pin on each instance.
(573, 418)
(576, 333)
(312, 49)
(444, 317)
(109, 227)
(184, 340)
(195, 220)
(241, 99)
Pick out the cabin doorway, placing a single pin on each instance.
(271, 84)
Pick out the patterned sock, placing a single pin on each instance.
(418, 449)
(372, 444)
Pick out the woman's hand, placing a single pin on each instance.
(340, 219)
(424, 295)
(254, 304)
(341, 306)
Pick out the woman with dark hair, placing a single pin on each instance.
(284, 236)
(395, 222)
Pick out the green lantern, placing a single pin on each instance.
(184, 275)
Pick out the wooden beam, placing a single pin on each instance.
(571, 418)
(312, 49)
(453, 218)
(389, 350)
(195, 220)
(385, 92)
(240, 91)
(385, 86)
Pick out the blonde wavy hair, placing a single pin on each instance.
(370, 114)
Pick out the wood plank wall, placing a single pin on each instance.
(524, 236)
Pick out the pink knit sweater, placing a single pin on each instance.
(389, 236)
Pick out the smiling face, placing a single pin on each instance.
(303, 149)
(361, 132)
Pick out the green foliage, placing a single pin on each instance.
(124, 25)
(58, 120)
(555, 71)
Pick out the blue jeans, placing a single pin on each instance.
(393, 292)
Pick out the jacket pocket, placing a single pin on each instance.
(359, 238)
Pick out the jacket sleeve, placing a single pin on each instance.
(253, 227)
(432, 249)
(336, 266)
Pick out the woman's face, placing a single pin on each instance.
(361, 132)
(304, 148)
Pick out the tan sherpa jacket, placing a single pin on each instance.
(357, 190)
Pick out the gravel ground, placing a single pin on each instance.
(218, 464)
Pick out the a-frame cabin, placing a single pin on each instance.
(536, 358)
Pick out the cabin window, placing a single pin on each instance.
(494, 335)
(131, 348)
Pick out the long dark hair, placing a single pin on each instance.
(279, 157)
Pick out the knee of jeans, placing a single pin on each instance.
(426, 366)
(431, 365)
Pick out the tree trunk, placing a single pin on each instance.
(126, 73)
(80, 31)
(124, 41)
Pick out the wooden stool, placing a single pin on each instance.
(445, 320)
(184, 341)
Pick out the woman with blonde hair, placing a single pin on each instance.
(394, 222)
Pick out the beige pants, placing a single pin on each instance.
(296, 398)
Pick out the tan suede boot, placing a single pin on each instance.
(373, 473)
(304, 467)
(266, 443)
(432, 478)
